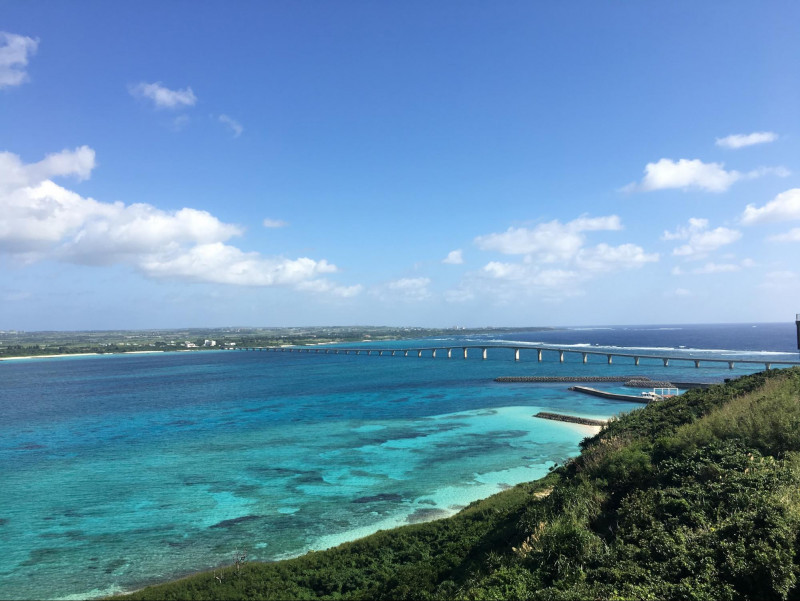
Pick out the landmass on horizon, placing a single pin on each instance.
(30, 344)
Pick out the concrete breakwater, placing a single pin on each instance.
(610, 395)
(648, 383)
(629, 381)
(511, 379)
(560, 417)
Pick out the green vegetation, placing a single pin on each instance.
(696, 497)
(23, 344)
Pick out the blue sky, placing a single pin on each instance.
(433, 164)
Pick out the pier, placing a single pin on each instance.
(614, 396)
(450, 352)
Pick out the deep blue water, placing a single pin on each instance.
(121, 471)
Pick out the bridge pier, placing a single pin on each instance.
(516, 354)
(730, 364)
(419, 352)
(449, 353)
(465, 352)
(768, 366)
(485, 351)
(666, 362)
(636, 360)
(697, 363)
(433, 354)
(585, 357)
(405, 353)
(539, 355)
(609, 359)
(561, 356)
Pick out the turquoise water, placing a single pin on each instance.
(122, 471)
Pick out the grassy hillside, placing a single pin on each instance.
(697, 497)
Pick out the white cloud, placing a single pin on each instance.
(163, 97)
(224, 264)
(701, 240)
(454, 257)
(404, 289)
(274, 223)
(14, 52)
(141, 229)
(556, 262)
(696, 224)
(505, 283)
(41, 219)
(793, 235)
(682, 292)
(710, 268)
(735, 141)
(550, 242)
(694, 173)
(716, 268)
(785, 206)
(235, 127)
(326, 287)
(15, 174)
(604, 258)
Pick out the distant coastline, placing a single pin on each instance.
(60, 355)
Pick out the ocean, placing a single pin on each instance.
(125, 470)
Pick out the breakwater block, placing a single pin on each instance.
(648, 383)
(511, 379)
(573, 419)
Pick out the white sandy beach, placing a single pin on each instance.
(77, 355)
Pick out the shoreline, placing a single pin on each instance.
(62, 355)
(326, 542)
(451, 499)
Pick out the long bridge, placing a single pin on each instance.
(484, 351)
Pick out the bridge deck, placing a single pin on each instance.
(484, 348)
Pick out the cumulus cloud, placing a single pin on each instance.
(507, 282)
(694, 173)
(235, 127)
(793, 235)
(700, 239)
(14, 52)
(163, 97)
(224, 264)
(551, 242)
(784, 207)
(326, 287)
(555, 261)
(274, 223)
(735, 141)
(454, 257)
(42, 219)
